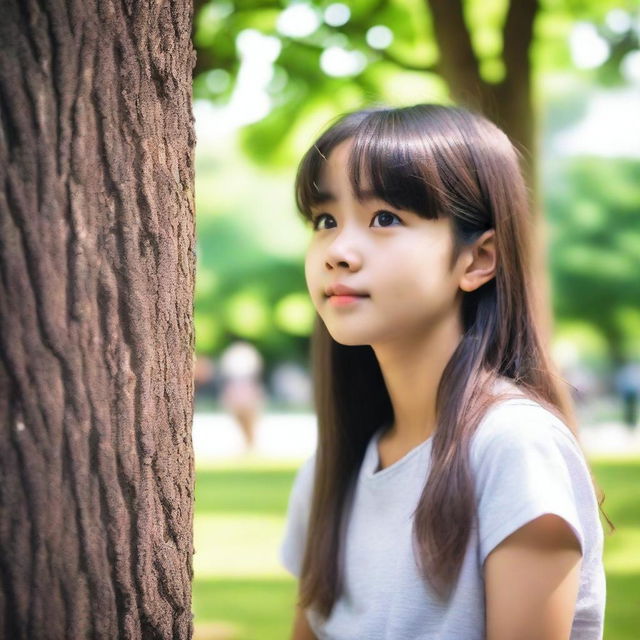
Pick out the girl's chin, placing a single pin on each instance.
(355, 338)
(351, 343)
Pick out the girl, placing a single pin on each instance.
(449, 497)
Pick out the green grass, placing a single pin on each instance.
(240, 590)
(242, 593)
(620, 481)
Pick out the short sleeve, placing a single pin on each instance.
(525, 466)
(296, 524)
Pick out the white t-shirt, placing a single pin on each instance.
(525, 463)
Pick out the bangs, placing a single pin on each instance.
(388, 161)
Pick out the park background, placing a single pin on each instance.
(269, 77)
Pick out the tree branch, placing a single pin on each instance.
(405, 64)
(517, 36)
(458, 63)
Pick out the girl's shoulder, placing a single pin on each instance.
(522, 422)
(525, 463)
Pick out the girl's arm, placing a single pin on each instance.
(531, 582)
(301, 629)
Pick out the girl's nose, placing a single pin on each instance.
(345, 250)
(343, 256)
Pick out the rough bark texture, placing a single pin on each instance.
(97, 268)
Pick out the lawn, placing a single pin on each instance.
(241, 592)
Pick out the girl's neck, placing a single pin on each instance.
(412, 369)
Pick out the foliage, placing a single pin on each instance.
(305, 90)
(249, 276)
(594, 246)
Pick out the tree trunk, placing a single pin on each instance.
(508, 103)
(97, 269)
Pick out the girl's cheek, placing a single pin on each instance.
(309, 277)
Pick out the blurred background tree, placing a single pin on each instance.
(595, 226)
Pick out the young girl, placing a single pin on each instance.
(449, 497)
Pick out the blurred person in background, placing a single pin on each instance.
(242, 391)
(627, 383)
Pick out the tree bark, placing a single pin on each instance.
(97, 267)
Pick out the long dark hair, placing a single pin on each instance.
(436, 161)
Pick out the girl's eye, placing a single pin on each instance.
(387, 215)
(316, 220)
(384, 216)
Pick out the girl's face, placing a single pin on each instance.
(397, 259)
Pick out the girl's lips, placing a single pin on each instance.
(339, 289)
(340, 301)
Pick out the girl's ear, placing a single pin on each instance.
(481, 261)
